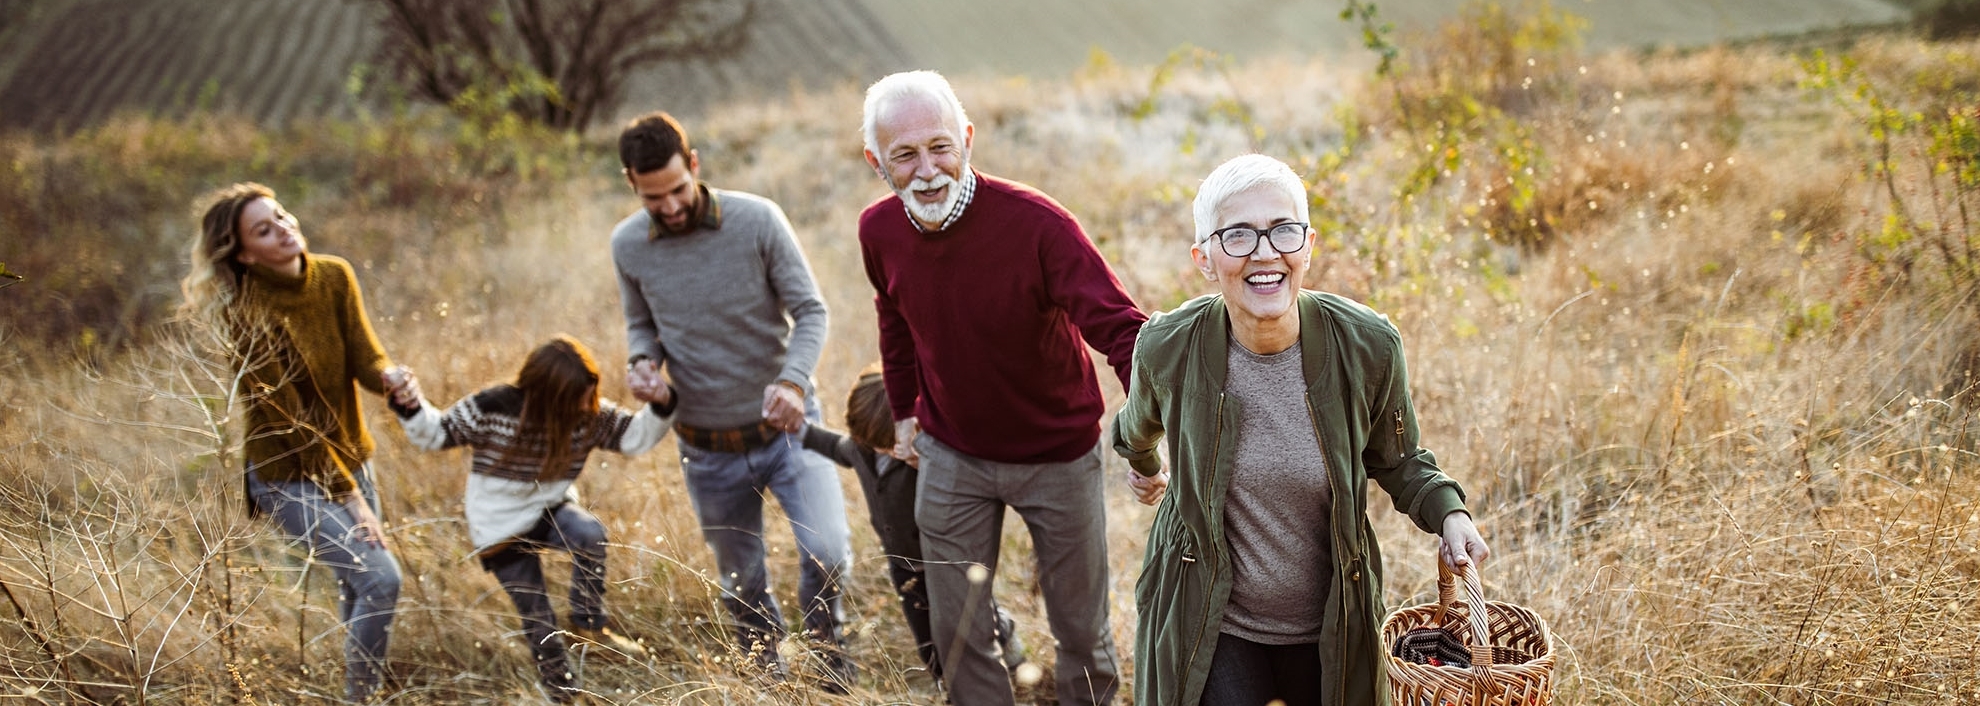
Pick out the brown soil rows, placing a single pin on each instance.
(98, 56)
(208, 44)
(238, 78)
(864, 31)
(90, 76)
(355, 36)
(45, 88)
(814, 43)
(780, 42)
(819, 41)
(347, 32)
(140, 68)
(273, 59)
(278, 60)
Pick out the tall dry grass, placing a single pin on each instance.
(1716, 442)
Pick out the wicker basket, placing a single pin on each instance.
(1513, 665)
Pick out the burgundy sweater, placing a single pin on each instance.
(980, 324)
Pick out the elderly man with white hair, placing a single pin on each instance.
(1262, 581)
(985, 289)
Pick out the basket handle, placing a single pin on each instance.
(1474, 598)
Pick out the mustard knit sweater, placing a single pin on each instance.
(307, 346)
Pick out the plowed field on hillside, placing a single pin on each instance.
(279, 59)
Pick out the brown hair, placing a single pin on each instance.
(869, 417)
(560, 394)
(214, 278)
(650, 141)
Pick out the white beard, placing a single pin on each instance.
(935, 212)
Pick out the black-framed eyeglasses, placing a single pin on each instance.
(1242, 241)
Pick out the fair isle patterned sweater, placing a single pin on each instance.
(504, 497)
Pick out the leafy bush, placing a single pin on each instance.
(1918, 137)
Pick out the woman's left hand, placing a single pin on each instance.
(1462, 545)
(365, 526)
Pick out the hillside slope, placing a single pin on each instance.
(273, 60)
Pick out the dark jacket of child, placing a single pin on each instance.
(888, 484)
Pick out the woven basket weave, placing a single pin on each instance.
(1511, 665)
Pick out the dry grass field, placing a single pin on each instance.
(1695, 329)
(74, 63)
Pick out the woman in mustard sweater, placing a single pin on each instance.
(303, 346)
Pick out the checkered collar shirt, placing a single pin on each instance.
(968, 193)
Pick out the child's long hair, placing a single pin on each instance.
(869, 418)
(559, 383)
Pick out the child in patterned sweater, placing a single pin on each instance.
(530, 441)
(889, 486)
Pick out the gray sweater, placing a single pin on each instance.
(727, 311)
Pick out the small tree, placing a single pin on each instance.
(561, 63)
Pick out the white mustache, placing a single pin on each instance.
(940, 180)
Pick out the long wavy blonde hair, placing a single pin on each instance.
(214, 279)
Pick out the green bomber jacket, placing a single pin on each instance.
(1357, 389)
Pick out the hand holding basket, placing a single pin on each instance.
(1495, 654)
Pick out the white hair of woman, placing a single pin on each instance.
(1237, 176)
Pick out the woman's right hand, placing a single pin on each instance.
(365, 526)
(1149, 490)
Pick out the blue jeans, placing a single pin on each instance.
(727, 490)
(367, 576)
(568, 528)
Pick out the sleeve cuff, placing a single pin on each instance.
(673, 401)
(802, 389)
(648, 427)
(1438, 502)
(404, 411)
(424, 428)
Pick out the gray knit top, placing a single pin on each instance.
(1275, 513)
(727, 311)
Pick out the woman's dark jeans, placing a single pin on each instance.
(1246, 673)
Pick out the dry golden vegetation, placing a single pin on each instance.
(1695, 330)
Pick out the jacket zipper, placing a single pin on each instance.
(1189, 665)
(1340, 640)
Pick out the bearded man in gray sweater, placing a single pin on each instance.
(717, 293)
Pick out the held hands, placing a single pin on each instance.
(1462, 545)
(1149, 490)
(904, 432)
(402, 386)
(644, 380)
(783, 407)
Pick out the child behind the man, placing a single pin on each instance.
(889, 486)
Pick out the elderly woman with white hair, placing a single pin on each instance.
(1262, 579)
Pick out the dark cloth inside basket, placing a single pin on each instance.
(1432, 646)
(1437, 646)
